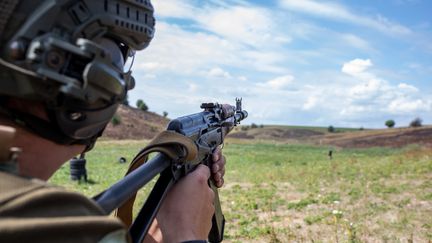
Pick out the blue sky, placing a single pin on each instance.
(294, 62)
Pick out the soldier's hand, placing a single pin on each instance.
(218, 167)
(188, 208)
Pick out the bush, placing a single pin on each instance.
(390, 123)
(116, 120)
(141, 105)
(165, 114)
(417, 122)
(244, 128)
(253, 125)
(331, 129)
(261, 126)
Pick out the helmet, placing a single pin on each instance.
(69, 55)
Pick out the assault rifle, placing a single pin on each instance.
(207, 130)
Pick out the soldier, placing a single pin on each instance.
(61, 81)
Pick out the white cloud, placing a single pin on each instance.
(367, 90)
(337, 12)
(405, 105)
(377, 95)
(218, 72)
(353, 110)
(173, 9)
(150, 66)
(278, 83)
(356, 42)
(356, 66)
(192, 87)
(246, 25)
(407, 87)
(310, 103)
(242, 78)
(251, 48)
(242, 22)
(184, 52)
(266, 61)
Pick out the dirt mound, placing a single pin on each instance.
(397, 137)
(135, 124)
(138, 124)
(240, 135)
(275, 133)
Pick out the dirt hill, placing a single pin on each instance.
(396, 137)
(278, 133)
(135, 124)
(138, 124)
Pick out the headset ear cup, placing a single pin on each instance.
(91, 124)
(98, 75)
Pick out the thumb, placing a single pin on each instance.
(202, 172)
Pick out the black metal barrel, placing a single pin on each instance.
(78, 169)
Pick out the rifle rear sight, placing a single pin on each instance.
(208, 105)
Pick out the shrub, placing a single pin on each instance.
(390, 123)
(141, 105)
(244, 128)
(116, 120)
(331, 129)
(253, 125)
(417, 122)
(165, 114)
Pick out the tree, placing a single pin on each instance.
(331, 129)
(253, 125)
(390, 123)
(165, 114)
(417, 122)
(141, 105)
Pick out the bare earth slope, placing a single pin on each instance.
(138, 124)
(396, 137)
(135, 124)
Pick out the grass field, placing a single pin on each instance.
(295, 193)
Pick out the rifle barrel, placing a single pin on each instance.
(121, 191)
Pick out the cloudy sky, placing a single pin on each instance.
(294, 62)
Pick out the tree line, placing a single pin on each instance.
(417, 122)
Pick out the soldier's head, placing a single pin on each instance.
(68, 57)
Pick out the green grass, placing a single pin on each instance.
(282, 192)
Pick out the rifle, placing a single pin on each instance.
(207, 130)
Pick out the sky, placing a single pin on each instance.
(293, 62)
